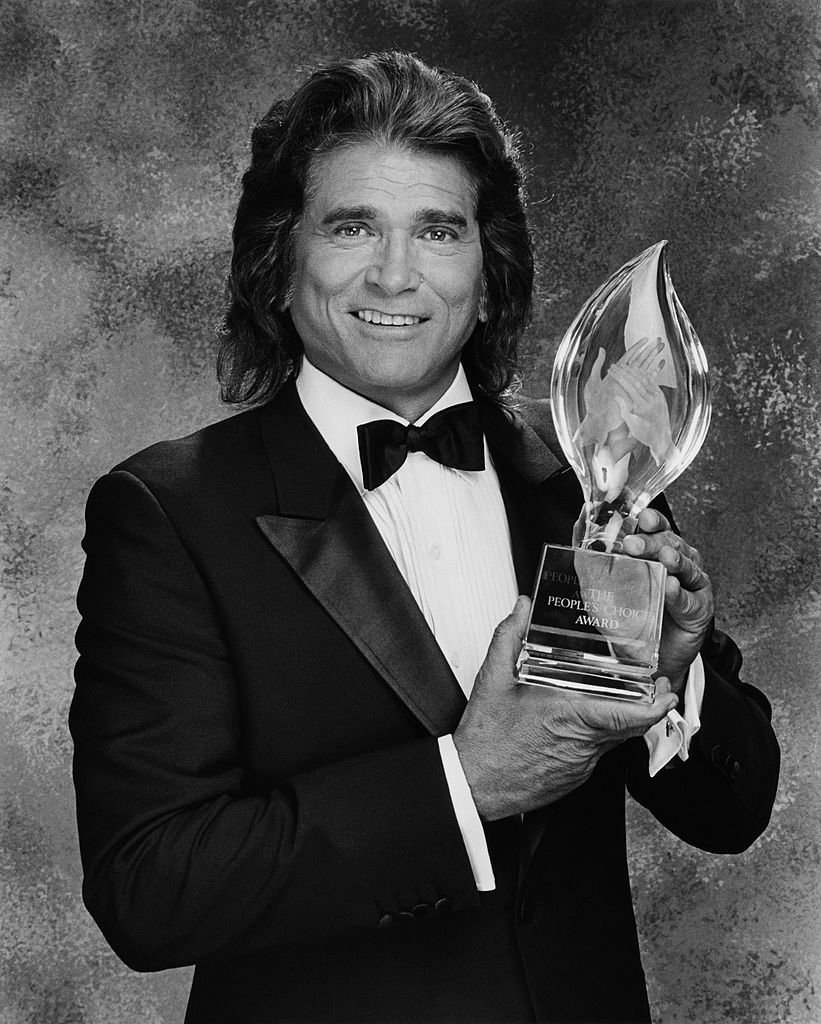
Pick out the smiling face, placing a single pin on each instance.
(387, 272)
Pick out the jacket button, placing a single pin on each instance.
(527, 911)
(443, 905)
(422, 910)
(735, 769)
(716, 755)
(385, 921)
(404, 916)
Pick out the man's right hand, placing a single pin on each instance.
(522, 747)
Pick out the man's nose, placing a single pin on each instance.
(394, 267)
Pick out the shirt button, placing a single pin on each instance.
(456, 659)
(434, 552)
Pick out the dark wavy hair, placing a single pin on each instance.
(395, 99)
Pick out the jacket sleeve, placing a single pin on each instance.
(721, 798)
(182, 861)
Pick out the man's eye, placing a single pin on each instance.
(439, 235)
(351, 231)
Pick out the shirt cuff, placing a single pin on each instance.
(672, 735)
(467, 817)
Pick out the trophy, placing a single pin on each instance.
(631, 409)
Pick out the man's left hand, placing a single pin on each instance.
(688, 597)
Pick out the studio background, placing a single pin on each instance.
(124, 133)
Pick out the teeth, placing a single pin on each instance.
(373, 316)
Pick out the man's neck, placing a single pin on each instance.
(337, 411)
(410, 407)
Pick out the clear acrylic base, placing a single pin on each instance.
(595, 624)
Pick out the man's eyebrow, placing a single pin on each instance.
(428, 215)
(432, 215)
(338, 213)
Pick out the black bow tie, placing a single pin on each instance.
(452, 437)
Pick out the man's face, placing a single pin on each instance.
(387, 272)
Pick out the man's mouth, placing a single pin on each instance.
(374, 316)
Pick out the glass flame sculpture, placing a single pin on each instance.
(631, 407)
(630, 396)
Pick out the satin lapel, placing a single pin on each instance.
(326, 535)
(524, 436)
(525, 530)
(524, 462)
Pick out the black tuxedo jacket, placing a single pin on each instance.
(259, 786)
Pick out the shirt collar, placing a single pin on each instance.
(336, 412)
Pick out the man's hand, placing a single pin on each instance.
(522, 747)
(688, 597)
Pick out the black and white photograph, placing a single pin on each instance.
(411, 592)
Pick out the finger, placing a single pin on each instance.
(664, 701)
(665, 698)
(691, 609)
(635, 352)
(647, 360)
(643, 353)
(511, 630)
(685, 564)
(652, 521)
(597, 365)
(650, 545)
(646, 374)
(664, 687)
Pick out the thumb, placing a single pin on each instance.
(506, 644)
(665, 698)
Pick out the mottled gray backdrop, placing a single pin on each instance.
(124, 129)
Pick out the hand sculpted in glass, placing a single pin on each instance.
(631, 407)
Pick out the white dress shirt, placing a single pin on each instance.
(447, 531)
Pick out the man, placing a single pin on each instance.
(303, 761)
